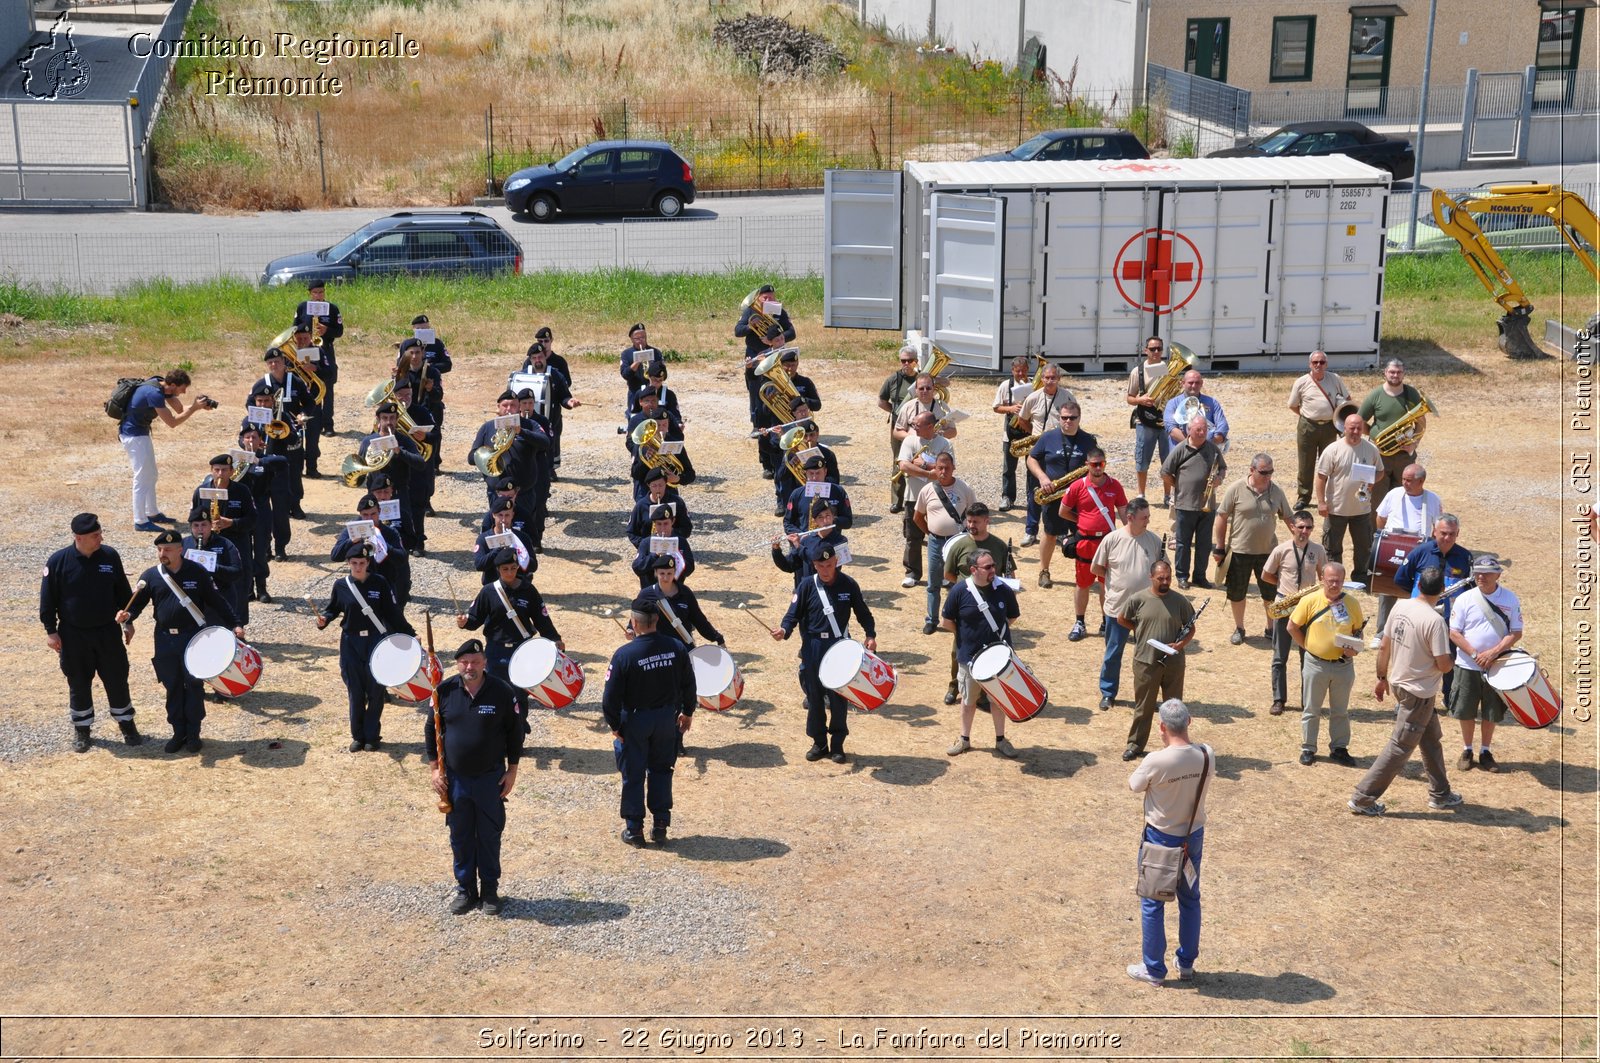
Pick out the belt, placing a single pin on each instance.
(510, 645)
(1308, 420)
(359, 631)
(1330, 660)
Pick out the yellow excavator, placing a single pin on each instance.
(1573, 220)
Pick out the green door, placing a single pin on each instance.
(1205, 53)
(1367, 84)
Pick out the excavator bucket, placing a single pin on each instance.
(1515, 341)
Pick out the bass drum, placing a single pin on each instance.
(222, 662)
(1389, 550)
(410, 672)
(718, 683)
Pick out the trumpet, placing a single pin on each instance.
(647, 438)
(1213, 478)
(1405, 433)
(291, 357)
(1180, 360)
(1058, 488)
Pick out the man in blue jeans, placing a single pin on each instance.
(1174, 781)
(1122, 562)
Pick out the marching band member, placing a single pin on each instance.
(521, 462)
(484, 726)
(236, 522)
(1188, 475)
(389, 557)
(296, 406)
(301, 399)
(157, 397)
(503, 519)
(1316, 398)
(532, 466)
(1156, 613)
(796, 552)
(291, 448)
(803, 405)
(645, 405)
(1411, 508)
(371, 613)
(1150, 439)
(661, 527)
(666, 398)
(657, 493)
(1042, 410)
(786, 483)
(1328, 671)
(424, 477)
(77, 597)
(178, 590)
(229, 567)
(636, 357)
(1183, 406)
(407, 460)
(649, 704)
(1008, 404)
(1090, 509)
(1485, 622)
(556, 398)
(958, 551)
(1060, 450)
(924, 399)
(639, 468)
(1246, 531)
(918, 452)
(327, 328)
(679, 607)
(1383, 406)
(897, 388)
(435, 352)
(757, 345)
(1343, 500)
(510, 610)
(1291, 567)
(979, 610)
(1444, 552)
(268, 480)
(821, 608)
(797, 510)
(1122, 563)
(940, 513)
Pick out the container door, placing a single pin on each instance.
(1331, 287)
(1090, 310)
(966, 246)
(861, 267)
(1212, 258)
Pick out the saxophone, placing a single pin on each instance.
(1281, 608)
(1058, 488)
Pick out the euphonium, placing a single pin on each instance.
(1180, 360)
(1058, 488)
(384, 392)
(491, 457)
(779, 391)
(1281, 608)
(291, 358)
(765, 324)
(404, 422)
(791, 443)
(933, 361)
(354, 471)
(646, 437)
(1407, 431)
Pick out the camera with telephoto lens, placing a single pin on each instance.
(208, 403)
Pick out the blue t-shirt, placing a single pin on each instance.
(147, 399)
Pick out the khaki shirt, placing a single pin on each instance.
(1294, 574)
(959, 550)
(1127, 559)
(1308, 399)
(1319, 636)
(1253, 518)
(940, 523)
(1156, 616)
(1346, 497)
(1416, 636)
(1169, 778)
(909, 446)
(1044, 411)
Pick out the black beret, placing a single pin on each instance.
(648, 393)
(526, 394)
(544, 333)
(169, 538)
(507, 395)
(797, 402)
(636, 327)
(356, 548)
(84, 523)
(645, 602)
(272, 352)
(420, 319)
(367, 502)
(221, 459)
(502, 505)
(661, 513)
(815, 462)
(260, 389)
(535, 348)
(378, 481)
(818, 505)
(408, 343)
(386, 407)
(657, 473)
(657, 369)
(469, 646)
(503, 556)
(199, 513)
(765, 289)
(403, 384)
(790, 355)
(662, 561)
(824, 553)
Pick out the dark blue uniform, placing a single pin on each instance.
(404, 463)
(230, 568)
(423, 476)
(482, 736)
(298, 399)
(647, 576)
(650, 682)
(268, 481)
(501, 636)
(328, 368)
(483, 553)
(240, 508)
(767, 443)
(756, 347)
(785, 483)
(78, 600)
(395, 567)
(644, 356)
(186, 703)
(801, 561)
(686, 607)
(639, 521)
(1058, 454)
(797, 509)
(817, 638)
(355, 648)
(973, 632)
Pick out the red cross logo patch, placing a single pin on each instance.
(1136, 166)
(1158, 270)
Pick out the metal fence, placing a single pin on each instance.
(1218, 106)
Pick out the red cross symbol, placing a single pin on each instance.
(1136, 167)
(1168, 273)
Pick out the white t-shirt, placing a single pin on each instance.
(940, 523)
(1413, 514)
(1468, 616)
(909, 446)
(1167, 779)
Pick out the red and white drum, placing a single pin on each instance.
(857, 674)
(216, 658)
(1008, 681)
(718, 684)
(410, 672)
(1389, 550)
(539, 667)
(1525, 688)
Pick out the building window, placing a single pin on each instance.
(1205, 51)
(1560, 33)
(1292, 39)
(1367, 83)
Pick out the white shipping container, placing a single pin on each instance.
(1251, 263)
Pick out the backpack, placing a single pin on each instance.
(122, 394)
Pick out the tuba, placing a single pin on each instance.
(646, 437)
(1058, 488)
(1407, 432)
(779, 391)
(1180, 360)
(291, 357)
(791, 443)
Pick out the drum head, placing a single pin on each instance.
(532, 663)
(990, 661)
(209, 652)
(395, 659)
(840, 664)
(713, 670)
(1511, 671)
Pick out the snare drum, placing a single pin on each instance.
(857, 674)
(718, 684)
(1008, 681)
(1389, 550)
(1525, 688)
(410, 672)
(544, 671)
(216, 658)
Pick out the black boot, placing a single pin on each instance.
(130, 733)
(80, 740)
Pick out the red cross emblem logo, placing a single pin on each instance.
(1158, 270)
(1138, 166)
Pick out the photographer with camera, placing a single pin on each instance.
(156, 397)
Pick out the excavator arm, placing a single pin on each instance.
(1573, 220)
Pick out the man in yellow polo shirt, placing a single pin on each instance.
(1327, 625)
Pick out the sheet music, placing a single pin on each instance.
(213, 494)
(317, 308)
(259, 415)
(361, 529)
(389, 510)
(204, 558)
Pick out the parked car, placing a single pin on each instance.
(1503, 229)
(608, 176)
(442, 242)
(1330, 138)
(1061, 144)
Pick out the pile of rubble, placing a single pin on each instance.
(775, 47)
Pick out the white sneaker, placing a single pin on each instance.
(1185, 974)
(1137, 972)
(909, 581)
(1374, 642)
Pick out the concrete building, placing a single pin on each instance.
(16, 26)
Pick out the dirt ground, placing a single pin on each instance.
(287, 888)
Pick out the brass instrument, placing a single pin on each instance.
(1017, 421)
(1180, 360)
(1407, 432)
(1282, 607)
(291, 357)
(1213, 478)
(354, 470)
(791, 443)
(779, 391)
(647, 438)
(385, 393)
(216, 510)
(1020, 447)
(765, 324)
(280, 427)
(491, 457)
(938, 429)
(933, 361)
(1058, 488)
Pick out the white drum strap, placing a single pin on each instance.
(999, 629)
(183, 599)
(365, 608)
(827, 606)
(677, 625)
(511, 610)
(1480, 601)
(1111, 522)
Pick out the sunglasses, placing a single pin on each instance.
(1069, 417)
(1096, 464)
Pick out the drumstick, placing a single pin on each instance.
(750, 611)
(138, 588)
(453, 600)
(611, 615)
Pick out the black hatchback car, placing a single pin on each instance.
(448, 242)
(608, 176)
(1056, 145)
(1330, 138)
